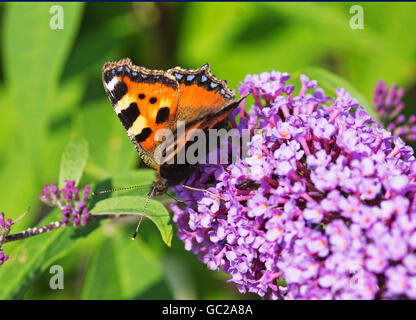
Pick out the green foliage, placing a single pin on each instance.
(55, 115)
(121, 269)
(73, 161)
(33, 60)
(33, 256)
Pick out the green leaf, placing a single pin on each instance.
(73, 161)
(330, 82)
(34, 57)
(155, 211)
(33, 255)
(121, 269)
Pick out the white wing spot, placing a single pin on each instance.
(110, 85)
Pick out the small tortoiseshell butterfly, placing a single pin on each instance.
(148, 100)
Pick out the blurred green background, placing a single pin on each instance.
(50, 90)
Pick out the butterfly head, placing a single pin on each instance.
(159, 186)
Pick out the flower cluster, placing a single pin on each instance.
(74, 208)
(324, 200)
(3, 257)
(5, 225)
(389, 106)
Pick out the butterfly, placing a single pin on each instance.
(148, 100)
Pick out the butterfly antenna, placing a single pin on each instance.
(120, 189)
(177, 200)
(141, 216)
(203, 190)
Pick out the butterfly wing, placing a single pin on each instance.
(144, 100)
(204, 101)
(201, 93)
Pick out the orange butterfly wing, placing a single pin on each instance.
(200, 93)
(204, 101)
(144, 100)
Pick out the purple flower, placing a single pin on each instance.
(313, 212)
(74, 208)
(324, 201)
(3, 257)
(5, 225)
(389, 106)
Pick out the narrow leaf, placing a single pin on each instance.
(101, 280)
(121, 269)
(73, 161)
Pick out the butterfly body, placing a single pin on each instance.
(148, 100)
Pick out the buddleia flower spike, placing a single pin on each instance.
(74, 206)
